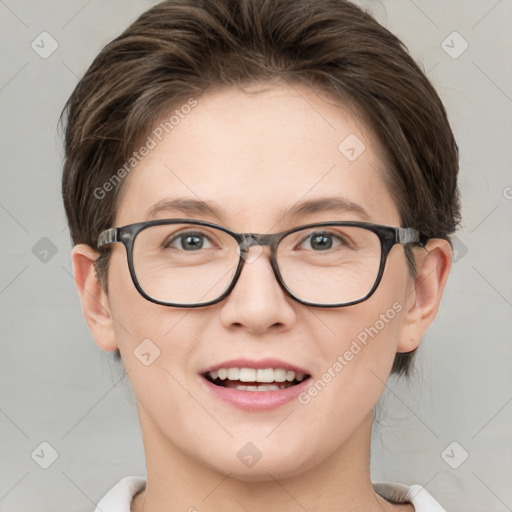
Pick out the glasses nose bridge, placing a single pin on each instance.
(250, 239)
(247, 240)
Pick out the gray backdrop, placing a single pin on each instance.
(448, 428)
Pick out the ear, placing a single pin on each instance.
(424, 299)
(95, 304)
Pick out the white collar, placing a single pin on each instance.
(119, 498)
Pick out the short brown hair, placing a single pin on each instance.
(178, 48)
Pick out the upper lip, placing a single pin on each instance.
(261, 363)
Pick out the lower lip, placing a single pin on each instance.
(255, 400)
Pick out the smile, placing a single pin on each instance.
(253, 385)
(255, 379)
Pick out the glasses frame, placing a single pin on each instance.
(389, 236)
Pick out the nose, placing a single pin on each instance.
(258, 303)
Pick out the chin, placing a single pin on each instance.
(248, 465)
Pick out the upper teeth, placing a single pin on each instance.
(256, 375)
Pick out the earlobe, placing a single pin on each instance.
(433, 268)
(95, 304)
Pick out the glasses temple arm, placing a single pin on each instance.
(410, 235)
(108, 236)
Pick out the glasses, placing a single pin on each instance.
(192, 263)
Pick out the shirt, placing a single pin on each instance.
(119, 498)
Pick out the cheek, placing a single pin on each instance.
(155, 341)
(356, 367)
(365, 341)
(358, 361)
(140, 325)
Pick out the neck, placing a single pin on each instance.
(177, 482)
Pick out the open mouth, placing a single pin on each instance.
(252, 379)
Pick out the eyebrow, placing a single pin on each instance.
(326, 204)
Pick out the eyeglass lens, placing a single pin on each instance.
(190, 264)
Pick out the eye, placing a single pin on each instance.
(188, 241)
(323, 240)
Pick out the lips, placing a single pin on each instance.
(254, 397)
(263, 375)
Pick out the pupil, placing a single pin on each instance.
(322, 242)
(189, 242)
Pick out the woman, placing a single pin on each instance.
(283, 179)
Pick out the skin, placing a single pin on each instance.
(255, 152)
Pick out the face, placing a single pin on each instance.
(253, 154)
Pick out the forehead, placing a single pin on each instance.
(256, 153)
